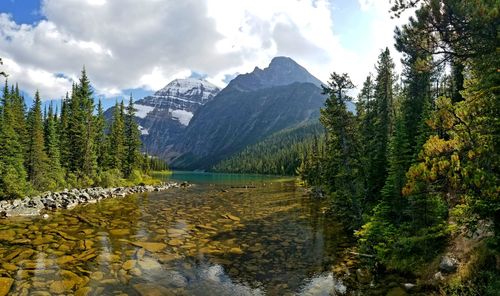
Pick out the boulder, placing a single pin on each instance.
(448, 264)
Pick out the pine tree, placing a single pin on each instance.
(132, 141)
(18, 108)
(36, 160)
(64, 138)
(342, 166)
(383, 123)
(101, 141)
(418, 71)
(89, 161)
(5, 96)
(81, 130)
(117, 138)
(75, 132)
(56, 173)
(365, 119)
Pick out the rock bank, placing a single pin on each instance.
(66, 199)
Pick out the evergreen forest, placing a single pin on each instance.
(46, 150)
(417, 165)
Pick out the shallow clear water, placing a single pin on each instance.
(222, 236)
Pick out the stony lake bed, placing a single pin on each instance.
(213, 238)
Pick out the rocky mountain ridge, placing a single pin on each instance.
(193, 124)
(251, 107)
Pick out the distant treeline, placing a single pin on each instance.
(281, 153)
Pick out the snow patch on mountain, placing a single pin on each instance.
(183, 116)
(189, 88)
(144, 131)
(142, 110)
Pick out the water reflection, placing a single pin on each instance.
(205, 240)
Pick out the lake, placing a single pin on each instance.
(225, 235)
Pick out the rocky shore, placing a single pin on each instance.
(66, 199)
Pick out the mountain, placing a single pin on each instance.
(164, 116)
(281, 71)
(251, 107)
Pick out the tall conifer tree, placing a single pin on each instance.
(101, 149)
(117, 138)
(36, 160)
(56, 172)
(132, 140)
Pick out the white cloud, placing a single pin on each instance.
(128, 44)
(47, 83)
(157, 78)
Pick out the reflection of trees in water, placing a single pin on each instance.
(296, 242)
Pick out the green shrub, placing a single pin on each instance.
(110, 178)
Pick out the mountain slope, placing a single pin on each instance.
(251, 107)
(164, 116)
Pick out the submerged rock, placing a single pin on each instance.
(231, 217)
(5, 285)
(150, 246)
(59, 287)
(97, 275)
(236, 250)
(152, 290)
(85, 291)
(119, 232)
(129, 264)
(64, 259)
(149, 264)
(7, 235)
(9, 266)
(174, 242)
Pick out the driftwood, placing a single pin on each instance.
(362, 255)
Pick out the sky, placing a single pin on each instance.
(137, 47)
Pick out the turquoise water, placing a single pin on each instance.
(228, 179)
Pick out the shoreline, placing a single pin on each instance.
(70, 198)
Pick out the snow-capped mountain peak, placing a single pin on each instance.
(189, 88)
(178, 100)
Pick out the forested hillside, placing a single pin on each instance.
(418, 164)
(50, 150)
(282, 153)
